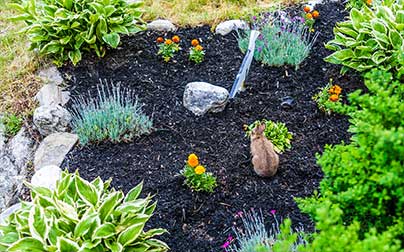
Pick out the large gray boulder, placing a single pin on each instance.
(202, 97)
(53, 149)
(161, 25)
(51, 118)
(226, 27)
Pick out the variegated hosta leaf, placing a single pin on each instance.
(87, 191)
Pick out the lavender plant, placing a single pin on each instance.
(283, 40)
(256, 238)
(115, 115)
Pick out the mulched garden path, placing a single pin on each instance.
(200, 222)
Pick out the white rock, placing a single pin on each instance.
(21, 148)
(226, 27)
(51, 75)
(9, 211)
(47, 177)
(52, 118)
(51, 94)
(202, 97)
(53, 149)
(161, 25)
(9, 180)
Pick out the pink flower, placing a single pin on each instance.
(273, 212)
(239, 214)
(230, 238)
(225, 245)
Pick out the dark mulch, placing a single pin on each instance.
(200, 222)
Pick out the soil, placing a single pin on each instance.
(200, 222)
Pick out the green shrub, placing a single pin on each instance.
(254, 237)
(370, 38)
(115, 115)
(281, 42)
(64, 29)
(365, 177)
(12, 124)
(82, 216)
(276, 132)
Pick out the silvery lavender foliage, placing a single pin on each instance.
(114, 115)
(254, 237)
(283, 40)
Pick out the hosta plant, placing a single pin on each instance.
(196, 176)
(82, 216)
(63, 29)
(371, 37)
(276, 132)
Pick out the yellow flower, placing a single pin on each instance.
(369, 2)
(309, 16)
(168, 42)
(198, 48)
(200, 170)
(193, 160)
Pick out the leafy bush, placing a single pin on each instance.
(196, 176)
(364, 178)
(116, 116)
(282, 40)
(64, 29)
(327, 96)
(370, 38)
(82, 216)
(276, 132)
(12, 124)
(256, 238)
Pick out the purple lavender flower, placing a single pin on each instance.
(273, 211)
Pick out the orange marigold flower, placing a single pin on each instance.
(160, 40)
(337, 89)
(200, 170)
(245, 127)
(176, 39)
(168, 42)
(369, 2)
(199, 48)
(334, 98)
(309, 16)
(315, 14)
(195, 42)
(307, 9)
(193, 160)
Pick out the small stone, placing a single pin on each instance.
(53, 149)
(50, 119)
(202, 97)
(51, 94)
(9, 211)
(161, 25)
(47, 177)
(51, 75)
(226, 27)
(287, 102)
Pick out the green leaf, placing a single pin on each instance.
(37, 223)
(85, 225)
(114, 246)
(130, 234)
(87, 192)
(112, 39)
(109, 204)
(134, 193)
(75, 57)
(104, 231)
(66, 245)
(27, 244)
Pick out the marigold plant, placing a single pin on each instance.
(196, 52)
(168, 47)
(196, 176)
(328, 98)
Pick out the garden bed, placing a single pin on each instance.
(200, 222)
